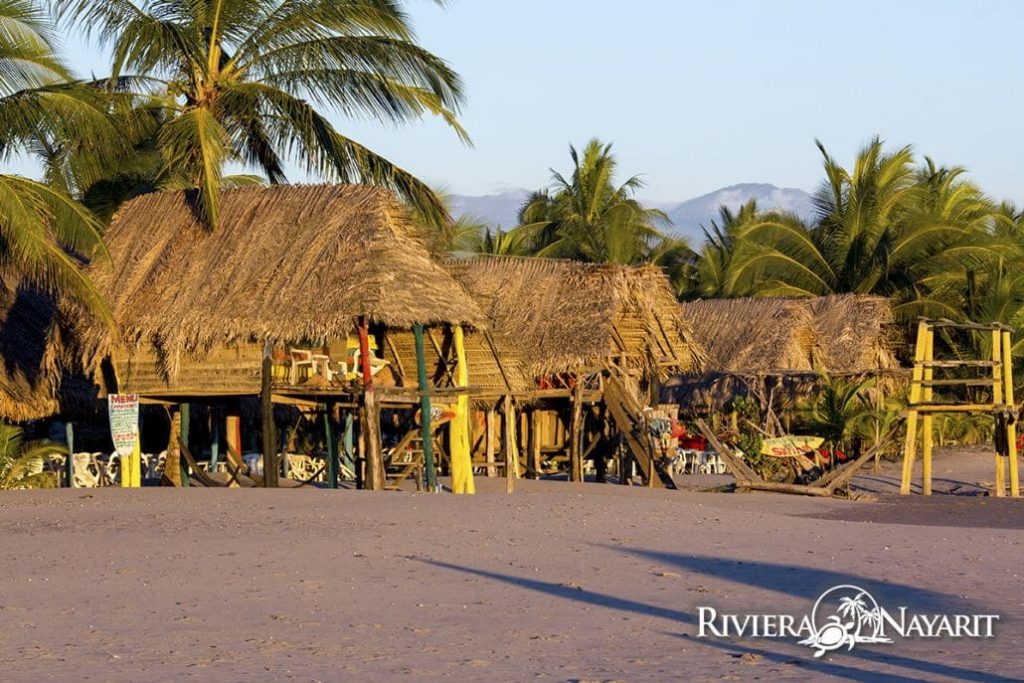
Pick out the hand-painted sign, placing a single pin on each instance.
(791, 446)
(124, 422)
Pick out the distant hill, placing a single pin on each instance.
(687, 216)
(496, 209)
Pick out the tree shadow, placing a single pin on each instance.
(802, 582)
(918, 668)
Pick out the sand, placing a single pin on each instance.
(566, 582)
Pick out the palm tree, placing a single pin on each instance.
(838, 410)
(44, 233)
(21, 465)
(588, 217)
(883, 227)
(234, 77)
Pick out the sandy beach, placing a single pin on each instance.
(567, 582)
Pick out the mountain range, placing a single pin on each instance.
(687, 216)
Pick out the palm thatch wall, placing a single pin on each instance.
(781, 346)
(287, 264)
(566, 315)
(43, 373)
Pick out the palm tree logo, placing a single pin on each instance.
(857, 618)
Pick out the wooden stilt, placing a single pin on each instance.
(461, 463)
(233, 437)
(361, 451)
(214, 441)
(1011, 427)
(371, 414)
(69, 463)
(425, 410)
(332, 445)
(172, 465)
(535, 440)
(576, 431)
(997, 394)
(926, 419)
(509, 445)
(489, 449)
(268, 438)
(910, 445)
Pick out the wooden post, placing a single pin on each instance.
(997, 399)
(535, 437)
(214, 441)
(332, 445)
(270, 475)
(1011, 427)
(459, 456)
(910, 445)
(510, 445)
(172, 465)
(927, 418)
(361, 451)
(425, 409)
(489, 451)
(348, 448)
(233, 434)
(370, 414)
(69, 464)
(186, 423)
(576, 431)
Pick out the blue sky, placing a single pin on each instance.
(697, 95)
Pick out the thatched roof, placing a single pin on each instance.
(843, 334)
(287, 263)
(786, 343)
(42, 374)
(755, 335)
(565, 314)
(855, 333)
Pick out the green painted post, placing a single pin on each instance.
(421, 375)
(332, 445)
(185, 414)
(348, 441)
(69, 464)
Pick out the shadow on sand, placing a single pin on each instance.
(802, 582)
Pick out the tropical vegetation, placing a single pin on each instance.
(250, 82)
(22, 464)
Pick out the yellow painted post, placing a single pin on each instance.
(926, 419)
(461, 460)
(915, 397)
(997, 399)
(1011, 428)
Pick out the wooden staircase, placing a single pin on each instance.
(627, 414)
(406, 458)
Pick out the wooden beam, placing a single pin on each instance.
(269, 440)
(398, 359)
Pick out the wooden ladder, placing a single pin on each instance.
(627, 414)
(923, 404)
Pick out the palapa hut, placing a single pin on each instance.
(578, 327)
(775, 349)
(272, 300)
